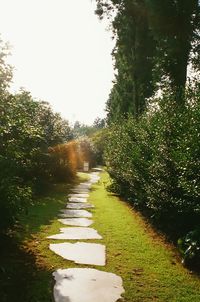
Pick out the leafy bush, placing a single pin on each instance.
(99, 141)
(154, 162)
(27, 129)
(189, 246)
(85, 151)
(63, 161)
(14, 199)
(125, 149)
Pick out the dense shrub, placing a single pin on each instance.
(27, 129)
(99, 141)
(85, 152)
(154, 162)
(63, 161)
(189, 246)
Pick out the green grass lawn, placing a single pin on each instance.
(150, 267)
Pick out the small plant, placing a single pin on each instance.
(189, 246)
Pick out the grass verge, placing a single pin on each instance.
(26, 263)
(150, 267)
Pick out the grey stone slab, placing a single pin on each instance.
(76, 233)
(80, 191)
(81, 252)
(83, 222)
(81, 195)
(77, 199)
(94, 177)
(86, 285)
(95, 181)
(85, 185)
(78, 205)
(94, 174)
(76, 213)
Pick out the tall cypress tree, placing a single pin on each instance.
(174, 24)
(155, 42)
(133, 53)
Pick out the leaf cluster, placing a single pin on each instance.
(189, 246)
(154, 163)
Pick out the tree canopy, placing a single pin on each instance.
(155, 43)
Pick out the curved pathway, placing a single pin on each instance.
(82, 284)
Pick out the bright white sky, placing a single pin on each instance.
(61, 54)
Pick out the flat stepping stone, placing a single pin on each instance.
(80, 252)
(77, 199)
(81, 195)
(78, 205)
(94, 177)
(76, 233)
(80, 191)
(85, 186)
(84, 222)
(75, 214)
(86, 285)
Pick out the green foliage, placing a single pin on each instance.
(134, 56)
(90, 141)
(86, 151)
(27, 129)
(63, 161)
(189, 246)
(99, 141)
(80, 130)
(152, 145)
(175, 25)
(155, 43)
(154, 162)
(6, 69)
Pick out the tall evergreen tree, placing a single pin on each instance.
(155, 42)
(175, 27)
(134, 57)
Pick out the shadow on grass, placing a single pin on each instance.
(167, 229)
(20, 279)
(44, 210)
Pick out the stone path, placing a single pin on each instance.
(78, 195)
(82, 284)
(86, 285)
(75, 213)
(81, 252)
(79, 205)
(77, 199)
(84, 222)
(74, 233)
